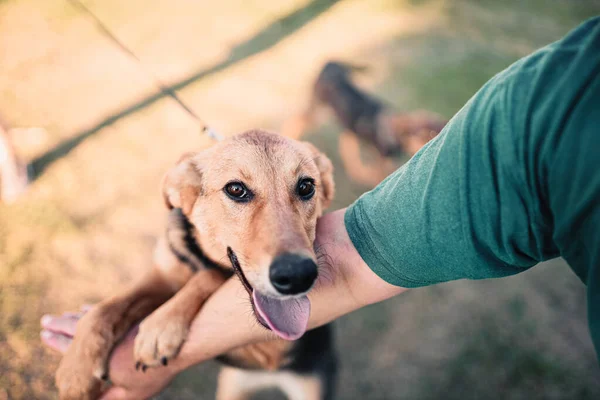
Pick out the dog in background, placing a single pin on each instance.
(366, 118)
(245, 208)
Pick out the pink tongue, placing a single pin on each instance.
(287, 318)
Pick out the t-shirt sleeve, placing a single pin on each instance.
(479, 201)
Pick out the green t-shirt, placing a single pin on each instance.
(513, 179)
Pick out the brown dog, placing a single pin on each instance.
(253, 200)
(364, 118)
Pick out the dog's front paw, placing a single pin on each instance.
(83, 371)
(159, 339)
(75, 381)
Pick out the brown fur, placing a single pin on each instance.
(275, 221)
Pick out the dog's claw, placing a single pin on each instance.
(137, 365)
(164, 361)
(144, 367)
(104, 377)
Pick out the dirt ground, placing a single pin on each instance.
(108, 136)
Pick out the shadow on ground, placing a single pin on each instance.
(263, 40)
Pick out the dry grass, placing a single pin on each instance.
(88, 223)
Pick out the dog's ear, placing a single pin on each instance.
(327, 187)
(183, 183)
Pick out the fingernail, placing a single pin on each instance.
(46, 319)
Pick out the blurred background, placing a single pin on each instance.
(99, 135)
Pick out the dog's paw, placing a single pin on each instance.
(82, 372)
(159, 340)
(76, 383)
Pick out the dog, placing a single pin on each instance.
(245, 208)
(365, 118)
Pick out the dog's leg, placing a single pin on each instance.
(163, 332)
(239, 384)
(296, 126)
(84, 366)
(297, 387)
(359, 172)
(235, 384)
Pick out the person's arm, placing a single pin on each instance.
(345, 284)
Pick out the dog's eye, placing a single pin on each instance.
(237, 191)
(306, 188)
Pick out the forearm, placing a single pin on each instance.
(345, 284)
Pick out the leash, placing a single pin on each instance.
(165, 89)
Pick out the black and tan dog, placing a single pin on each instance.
(364, 118)
(244, 209)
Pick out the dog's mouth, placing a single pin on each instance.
(288, 318)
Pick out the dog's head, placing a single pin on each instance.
(255, 199)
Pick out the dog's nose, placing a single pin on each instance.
(292, 273)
